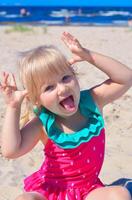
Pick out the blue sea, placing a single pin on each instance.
(99, 16)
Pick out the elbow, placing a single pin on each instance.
(131, 79)
(7, 153)
(128, 80)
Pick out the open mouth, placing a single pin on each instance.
(68, 103)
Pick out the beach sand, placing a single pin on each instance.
(113, 41)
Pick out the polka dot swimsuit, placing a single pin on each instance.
(72, 161)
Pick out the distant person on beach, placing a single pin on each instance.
(130, 23)
(68, 122)
(24, 12)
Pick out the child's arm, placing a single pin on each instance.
(120, 76)
(16, 142)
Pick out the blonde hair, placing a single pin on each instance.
(38, 65)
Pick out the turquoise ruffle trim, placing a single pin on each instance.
(89, 109)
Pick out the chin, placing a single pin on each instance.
(68, 114)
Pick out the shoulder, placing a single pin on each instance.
(41, 130)
(35, 128)
(107, 92)
(92, 98)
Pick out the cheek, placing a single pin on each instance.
(47, 100)
(75, 85)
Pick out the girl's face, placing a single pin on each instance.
(60, 93)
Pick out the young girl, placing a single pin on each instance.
(68, 122)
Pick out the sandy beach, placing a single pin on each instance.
(113, 41)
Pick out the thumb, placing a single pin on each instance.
(71, 61)
(24, 93)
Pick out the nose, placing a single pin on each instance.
(62, 88)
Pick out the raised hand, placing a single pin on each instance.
(75, 47)
(13, 97)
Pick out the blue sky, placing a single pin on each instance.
(68, 2)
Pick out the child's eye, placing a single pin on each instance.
(66, 78)
(49, 88)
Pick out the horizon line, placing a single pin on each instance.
(67, 5)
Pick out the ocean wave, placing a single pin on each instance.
(112, 13)
(12, 16)
(48, 22)
(68, 15)
(119, 22)
(2, 13)
(62, 13)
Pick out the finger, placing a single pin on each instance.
(1, 87)
(13, 81)
(70, 39)
(64, 37)
(67, 36)
(24, 93)
(4, 88)
(71, 61)
(5, 78)
(8, 91)
(67, 41)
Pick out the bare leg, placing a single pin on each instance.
(109, 193)
(30, 196)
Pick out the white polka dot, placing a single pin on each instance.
(101, 155)
(76, 196)
(43, 176)
(94, 148)
(63, 154)
(84, 176)
(80, 153)
(79, 171)
(88, 160)
(66, 197)
(72, 163)
(72, 184)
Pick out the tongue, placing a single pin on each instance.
(68, 103)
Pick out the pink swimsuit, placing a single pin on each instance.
(72, 161)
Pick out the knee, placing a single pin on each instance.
(120, 193)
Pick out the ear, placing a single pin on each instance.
(37, 104)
